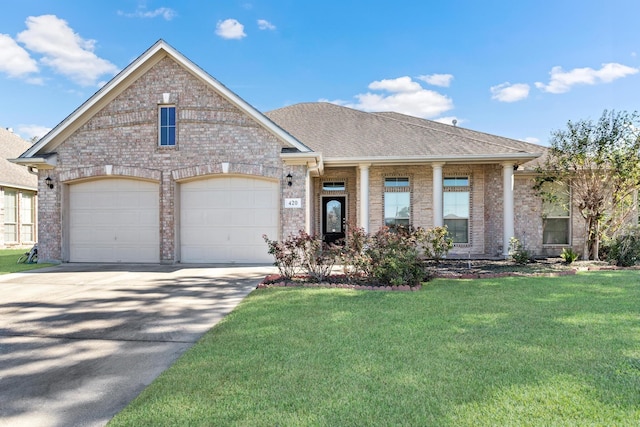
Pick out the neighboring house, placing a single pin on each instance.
(18, 194)
(165, 164)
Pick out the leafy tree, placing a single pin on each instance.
(600, 163)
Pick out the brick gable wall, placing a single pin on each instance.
(122, 140)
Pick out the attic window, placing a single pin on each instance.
(167, 126)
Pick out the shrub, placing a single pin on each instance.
(303, 253)
(317, 257)
(517, 252)
(355, 257)
(624, 250)
(568, 255)
(387, 257)
(436, 242)
(286, 256)
(393, 256)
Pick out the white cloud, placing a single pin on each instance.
(165, 12)
(230, 29)
(404, 96)
(507, 92)
(14, 60)
(263, 24)
(401, 84)
(32, 131)
(531, 139)
(64, 50)
(561, 81)
(443, 80)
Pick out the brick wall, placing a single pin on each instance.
(124, 135)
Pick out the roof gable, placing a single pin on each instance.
(130, 74)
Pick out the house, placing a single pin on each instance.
(165, 164)
(18, 189)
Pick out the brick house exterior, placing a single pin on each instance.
(18, 195)
(231, 174)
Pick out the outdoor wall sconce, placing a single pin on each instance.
(49, 182)
(289, 180)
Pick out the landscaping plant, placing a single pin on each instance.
(517, 252)
(568, 255)
(624, 250)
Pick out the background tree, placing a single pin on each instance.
(600, 163)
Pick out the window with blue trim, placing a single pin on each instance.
(167, 126)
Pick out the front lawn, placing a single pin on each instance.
(9, 259)
(511, 351)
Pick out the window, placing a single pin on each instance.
(167, 126)
(556, 215)
(397, 202)
(27, 217)
(10, 216)
(333, 186)
(456, 208)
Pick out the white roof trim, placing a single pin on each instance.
(161, 45)
(400, 160)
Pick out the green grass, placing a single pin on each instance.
(533, 351)
(9, 259)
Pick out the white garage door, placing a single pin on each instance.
(114, 220)
(223, 219)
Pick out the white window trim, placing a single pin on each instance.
(175, 126)
(397, 189)
(459, 189)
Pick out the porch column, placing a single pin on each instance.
(364, 196)
(308, 199)
(507, 206)
(437, 194)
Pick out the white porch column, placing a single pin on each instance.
(308, 198)
(364, 196)
(507, 206)
(437, 194)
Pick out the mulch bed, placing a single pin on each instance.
(455, 269)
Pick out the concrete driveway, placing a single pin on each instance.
(78, 342)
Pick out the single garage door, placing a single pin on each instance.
(222, 220)
(114, 220)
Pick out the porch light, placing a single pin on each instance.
(49, 182)
(289, 180)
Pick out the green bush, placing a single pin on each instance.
(624, 250)
(517, 252)
(568, 255)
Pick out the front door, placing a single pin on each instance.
(333, 218)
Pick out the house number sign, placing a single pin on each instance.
(293, 203)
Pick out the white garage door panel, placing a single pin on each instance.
(114, 220)
(222, 220)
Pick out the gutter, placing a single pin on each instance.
(403, 160)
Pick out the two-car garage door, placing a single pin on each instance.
(221, 220)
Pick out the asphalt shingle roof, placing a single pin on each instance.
(12, 175)
(341, 132)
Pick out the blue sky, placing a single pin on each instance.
(519, 69)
